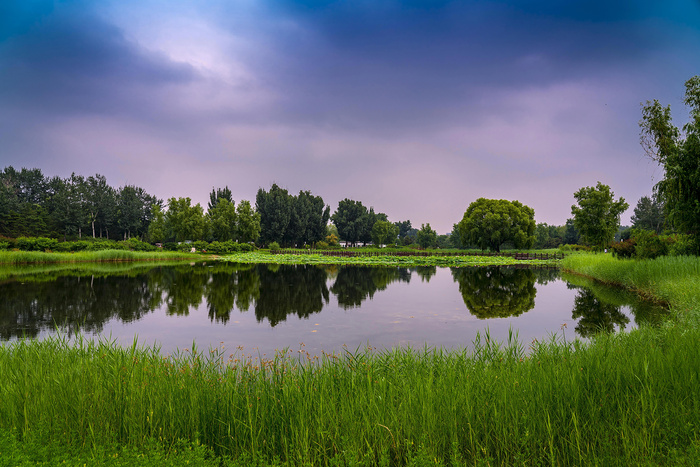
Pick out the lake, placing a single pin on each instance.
(257, 309)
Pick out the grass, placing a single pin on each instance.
(34, 257)
(624, 399)
(674, 280)
(381, 260)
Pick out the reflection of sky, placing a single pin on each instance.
(417, 314)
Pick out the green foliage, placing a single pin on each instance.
(680, 158)
(649, 245)
(426, 236)
(384, 233)
(36, 243)
(291, 220)
(489, 223)
(597, 214)
(217, 195)
(682, 244)
(624, 249)
(274, 246)
(648, 215)
(184, 221)
(351, 220)
(222, 220)
(248, 228)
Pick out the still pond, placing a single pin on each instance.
(256, 309)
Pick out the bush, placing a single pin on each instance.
(200, 245)
(574, 247)
(170, 246)
(649, 245)
(682, 245)
(624, 249)
(137, 245)
(274, 246)
(223, 248)
(100, 245)
(247, 247)
(36, 243)
(4, 245)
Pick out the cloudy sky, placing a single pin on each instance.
(415, 107)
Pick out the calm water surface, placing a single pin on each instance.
(262, 308)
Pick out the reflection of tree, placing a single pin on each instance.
(496, 292)
(544, 276)
(354, 284)
(228, 287)
(72, 303)
(596, 315)
(425, 272)
(290, 289)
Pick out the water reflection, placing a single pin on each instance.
(598, 308)
(496, 292)
(85, 298)
(354, 285)
(596, 315)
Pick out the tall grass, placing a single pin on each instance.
(672, 279)
(31, 257)
(626, 399)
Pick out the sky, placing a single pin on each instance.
(416, 108)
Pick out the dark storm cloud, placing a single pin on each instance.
(73, 62)
(386, 65)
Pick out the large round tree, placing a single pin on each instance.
(489, 223)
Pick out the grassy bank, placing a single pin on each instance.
(672, 280)
(382, 260)
(36, 257)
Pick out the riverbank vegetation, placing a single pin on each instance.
(36, 257)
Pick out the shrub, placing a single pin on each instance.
(200, 245)
(321, 245)
(624, 249)
(247, 247)
(36, 243)
(682, 245)
(4, 245)
(649, 245)
(170, 246)
(574, 247)
(137, 245)
(101, 245)
(274, 246)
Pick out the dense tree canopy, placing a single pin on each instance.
(384, 233)
(679, 190)
(426, 236)
(489, 223)
(649, 214)
(291, 220)
(597, 214)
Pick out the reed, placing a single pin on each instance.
(623, 399)
(36, 257)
